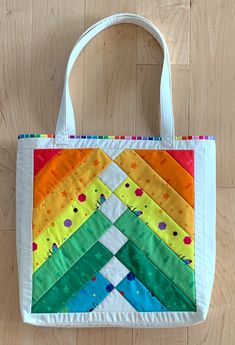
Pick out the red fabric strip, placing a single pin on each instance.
(42, 156)
(185, 158)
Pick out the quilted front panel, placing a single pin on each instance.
(113, 234)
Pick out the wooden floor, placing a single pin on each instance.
(115, 87)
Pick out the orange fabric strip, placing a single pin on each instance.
(41, 157)
(171, 171)
(68, 189)
(158, 189)
(56, 170)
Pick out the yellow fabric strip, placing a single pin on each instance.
(68, 189)
(157, 220)
(68, 222)
(158, 189)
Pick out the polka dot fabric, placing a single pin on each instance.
(149, 215)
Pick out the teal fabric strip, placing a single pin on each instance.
(91, 295)
(68, 254)
(138, 296)
(158, 252)
(73, 280)
(156, 281)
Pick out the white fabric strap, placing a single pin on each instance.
(66, 123)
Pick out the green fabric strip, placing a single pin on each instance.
(73, 280)
(68, 254)
(150, 275)
(158, 252)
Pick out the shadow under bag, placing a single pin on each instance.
(115, 230)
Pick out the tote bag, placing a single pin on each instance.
(115, 230)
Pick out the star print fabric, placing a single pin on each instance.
(85, 254)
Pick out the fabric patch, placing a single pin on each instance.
(42, 157)
(69, 221)
(92, 294)
(114, 271)
(113, 208)
(185, 158)
(73, 280)
(152, 215)
(157, 188)
(115, 302)
(68, 254)
(175, 268)
(150, 275)
(138, 296)
(171, 171)
(55, 171)
(68, 189)
(113, 231)
(113, 239)
(112, 176)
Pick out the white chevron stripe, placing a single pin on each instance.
(113, 239)
(112, 208)
(112, 153)
(113, 176)
(114, 302)
(114, 271)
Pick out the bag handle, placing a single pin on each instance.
(66, 123)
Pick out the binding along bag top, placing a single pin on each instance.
(115, 230)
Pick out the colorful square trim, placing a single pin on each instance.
(41, 136)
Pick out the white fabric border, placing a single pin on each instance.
(204, 237)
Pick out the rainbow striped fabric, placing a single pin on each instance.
(113, 233)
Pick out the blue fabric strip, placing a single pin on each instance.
(138, 295)
(90, 296)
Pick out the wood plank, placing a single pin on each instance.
(165, 336)
(172, 17)
(218, 329)
(110, 82)
(104, 336)
(110, 75)
(212, 93)
(15, 68)
(148, 92)
(15, 42)
(54, 33)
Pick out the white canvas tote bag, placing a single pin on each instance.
(115, 230)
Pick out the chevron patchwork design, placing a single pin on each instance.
(113, 230)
